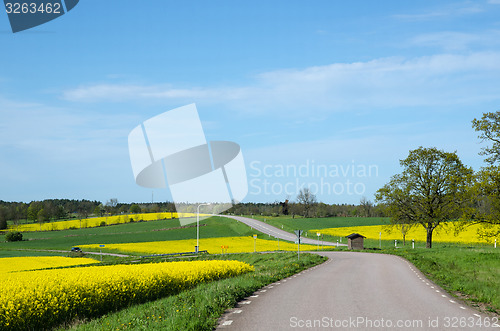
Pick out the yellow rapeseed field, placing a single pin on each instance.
(212, 245)
(97, 221)
(36, 300)
(13, 264)
(444, 233)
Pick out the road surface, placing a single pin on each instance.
(275, 232)
(355, 291)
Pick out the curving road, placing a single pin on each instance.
(355, 291)
(275, 232)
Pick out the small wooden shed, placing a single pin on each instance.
(355, 241)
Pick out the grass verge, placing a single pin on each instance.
(200, 308)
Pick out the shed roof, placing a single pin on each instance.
(354, 236)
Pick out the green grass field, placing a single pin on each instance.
(123, 233)
(470, 272)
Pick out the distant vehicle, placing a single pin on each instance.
(76, 249)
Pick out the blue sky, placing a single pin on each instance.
(341, 85)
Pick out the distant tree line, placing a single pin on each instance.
(61, 209)
(308, 208)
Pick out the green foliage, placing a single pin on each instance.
(135, 209)
(13, 236)
(3, 223)
(42, 216)
(485, 207)
(433, 188)
(489, 128)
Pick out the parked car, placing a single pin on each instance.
(76, 249)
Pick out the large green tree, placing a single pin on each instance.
(489, 130)
(485, 208)
(432, 189)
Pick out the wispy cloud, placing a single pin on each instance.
(457, 41)
(381, 83)
(455, 10)
(58, 134)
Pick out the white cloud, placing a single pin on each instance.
(438, 80)
(454, 10)
(382, 147)
(457, 41)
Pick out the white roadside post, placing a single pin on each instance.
(380, 240)
(318, 234)
(413, 243)
(298, 233)
(254, 243)
(197, 248)
(395, 243)
(495, 243)
(100, 251)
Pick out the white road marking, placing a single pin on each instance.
(246, 302)
(254, 296)
(462, 307)
(444, 296)
(262, 291)
(227, 323)
(452, 301)
(477, 315)
(238, 311)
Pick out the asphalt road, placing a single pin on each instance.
(354, 291)
(275, 232)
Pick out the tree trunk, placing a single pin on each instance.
(429, 237)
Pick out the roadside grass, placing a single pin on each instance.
(201, 307)
(125, 233)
